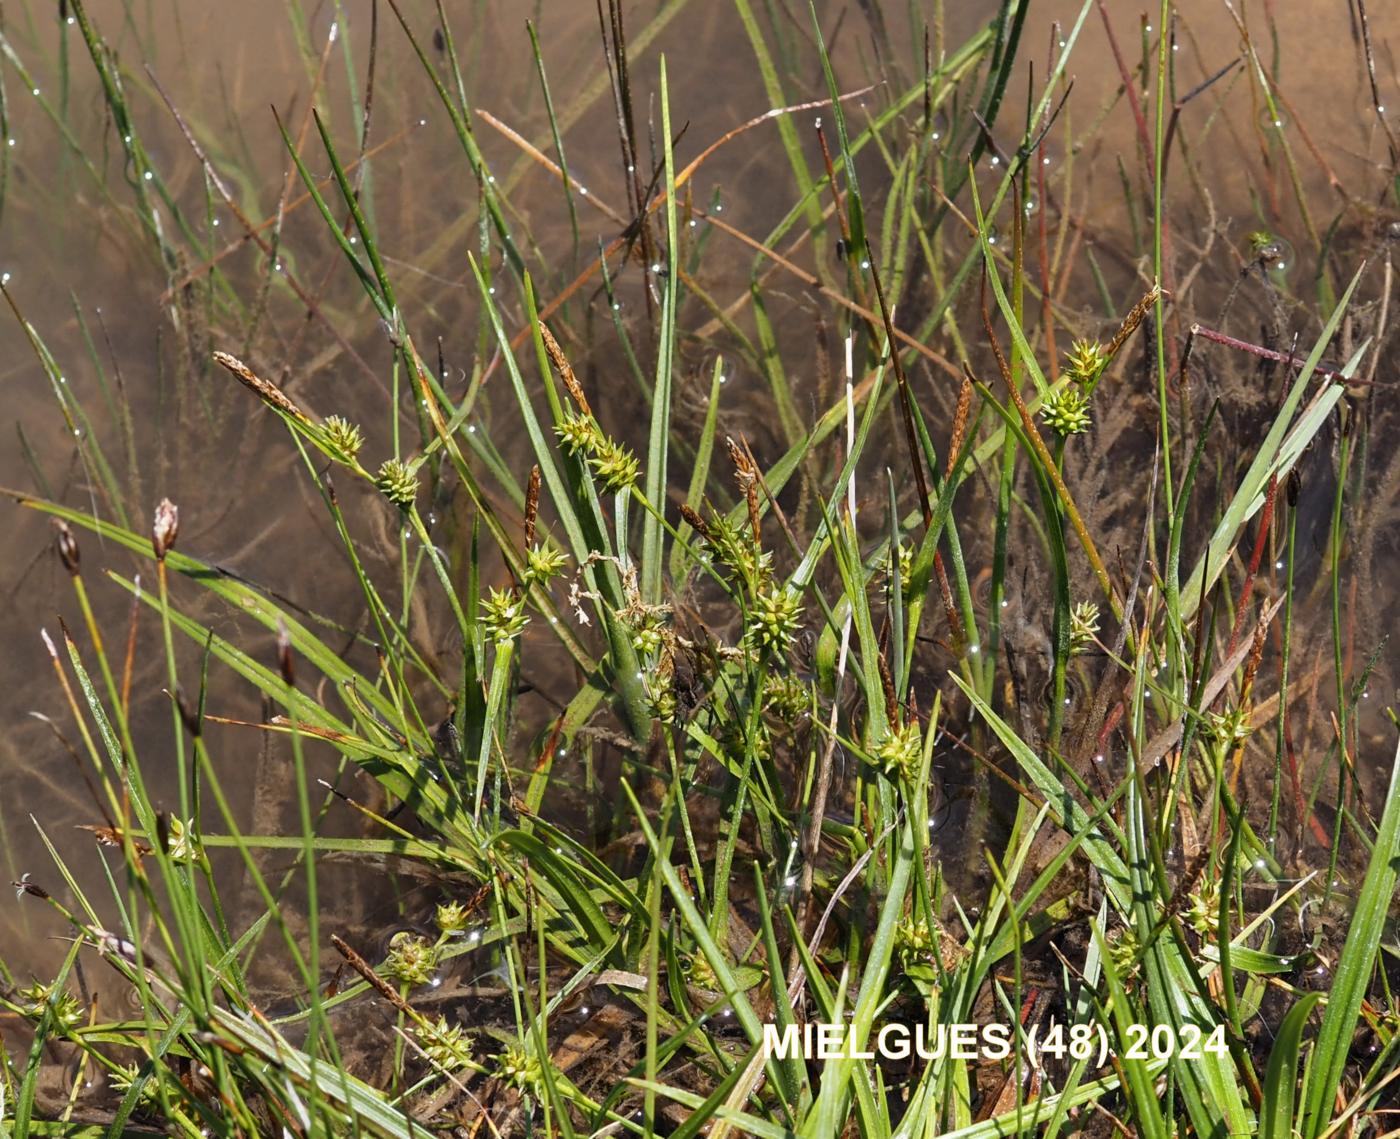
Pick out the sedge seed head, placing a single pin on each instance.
(702, 975)
(444, 1044)
(579, 433)
(343, 437)
(67, 1011)
(662, 700)
(1203, 910)
(1123, 948)
(786, 696)
(126, 1075)
(776, 614)
(616, 466)
(1084, 362)
(451, 917)
(520, 1067)
(543, 564)
(1066, 412)
(1083, 625)
(1229, 728)
(411, 959)
(734, 546)
(397, 482)
(900, 753)
(179, 843)
(504, 615)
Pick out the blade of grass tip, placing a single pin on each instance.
(658, 443)
(1352, 975)
(653, 996)
(855, 213)
(367, 238)
(460, 113)
(787, 129)
(382, 305)
(1139, 1084)
(896, 588)
(871, 997)
(497, 698)
(1250, 496)
(1281, 1080)
(794, 1072)
(681, 560)
(555, 134)
(1177, 643)
(1067, 811)
(716, 957)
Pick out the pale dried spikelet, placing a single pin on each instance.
(165, 528)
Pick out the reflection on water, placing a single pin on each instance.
(100, 262)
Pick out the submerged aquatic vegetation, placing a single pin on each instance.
(964, 685)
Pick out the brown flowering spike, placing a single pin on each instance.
(165, 528)
(33, 889)
(67, 548)
(532, 505)
(960, 423)
(189, 716)
(564, 368)
(366, 970)
(746, 475)
(698, 524)
(1132, 320)
(270, 393)
(114, 836)
(284, 655)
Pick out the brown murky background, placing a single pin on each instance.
(72, 247)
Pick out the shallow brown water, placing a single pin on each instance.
(71, 241)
